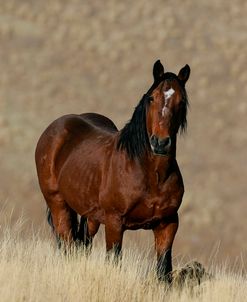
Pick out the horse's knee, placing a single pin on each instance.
(93, 227)
(63, 221)
(63, 229)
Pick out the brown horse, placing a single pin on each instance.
(127, 179)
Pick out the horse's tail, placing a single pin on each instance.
(50, 221)
(49, 218)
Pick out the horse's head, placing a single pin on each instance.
(167, 108)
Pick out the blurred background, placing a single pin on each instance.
(59, 57)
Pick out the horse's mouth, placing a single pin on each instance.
(160, 152)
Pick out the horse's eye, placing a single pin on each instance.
(150, 98)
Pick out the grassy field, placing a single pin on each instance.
(34, 270)
(60, 57)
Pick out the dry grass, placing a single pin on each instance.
(60, 57)
(34, 270)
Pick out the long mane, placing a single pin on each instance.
(133, 137)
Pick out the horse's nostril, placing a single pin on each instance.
(165, 142)
(160, 146)
(153, 140)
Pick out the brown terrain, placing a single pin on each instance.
(59, 57)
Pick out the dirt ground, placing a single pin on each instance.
(59, 57)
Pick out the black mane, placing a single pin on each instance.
(183, 125)
(133, 137)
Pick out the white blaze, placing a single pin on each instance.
(167, 95)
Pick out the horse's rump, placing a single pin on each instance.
(60, 138)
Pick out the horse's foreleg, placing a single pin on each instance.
(164, 235)
(113, 236)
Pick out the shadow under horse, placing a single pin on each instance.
(127, 179)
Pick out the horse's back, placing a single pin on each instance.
(60, 138)
(100, 121)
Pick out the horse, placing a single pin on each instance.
(127, 179)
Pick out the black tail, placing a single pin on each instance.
(50, 221)
(82, 235)
(49, 218)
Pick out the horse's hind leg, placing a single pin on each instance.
(87, 230)
(63, 219)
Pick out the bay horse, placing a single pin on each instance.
(127, 179)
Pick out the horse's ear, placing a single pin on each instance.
(184, 73)
(158, 70)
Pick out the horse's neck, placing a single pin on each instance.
(158, 168)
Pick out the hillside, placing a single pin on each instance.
(61, 57)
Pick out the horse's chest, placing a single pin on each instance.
(149, 211)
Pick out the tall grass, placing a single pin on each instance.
(34, 270)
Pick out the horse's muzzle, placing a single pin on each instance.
(160, 146)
